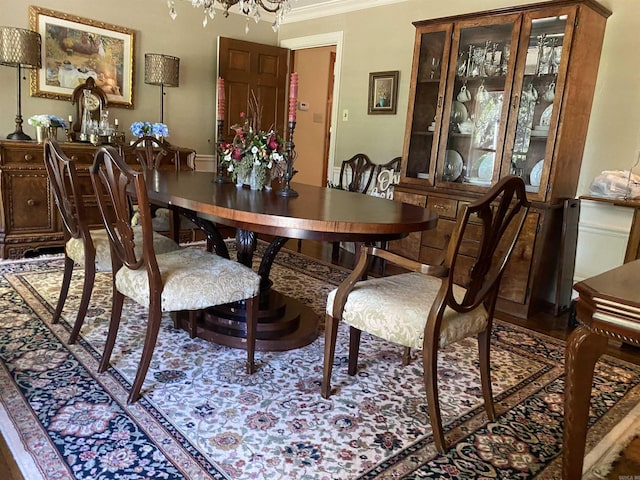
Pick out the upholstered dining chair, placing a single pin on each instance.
(154, 153)
(85, 247)
(187, 279)
(432, 306)
(356, 175)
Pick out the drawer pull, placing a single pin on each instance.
(28, 157)
(74, 158)
(437, 206)
(31, 202)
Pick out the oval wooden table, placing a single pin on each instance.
(315, 214)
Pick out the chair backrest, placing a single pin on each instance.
(64, 182)
(356, 173)
(482, 242)
(151, 152)
(114, 181)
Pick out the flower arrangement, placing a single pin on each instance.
(253, 149)
(141, 129)
(46, 121)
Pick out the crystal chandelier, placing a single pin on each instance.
(250, 8)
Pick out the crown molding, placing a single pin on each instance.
(332, 7)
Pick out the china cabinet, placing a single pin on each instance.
(496, 93)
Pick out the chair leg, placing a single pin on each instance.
(153, 327)
(174, 225)
(114, 324)
(335, 251)
(330, 337)
(299, 245)
(406, 356)
(87, 288)
(193, 324)
(484, 345)
(252, 328)
(430, 360)
(354, 348)
(64, 289)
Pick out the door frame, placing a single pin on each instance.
(323, 40)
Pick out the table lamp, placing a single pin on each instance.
(19, 48)
(163, 70)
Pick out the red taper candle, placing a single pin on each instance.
(293, 97)
(221, 99)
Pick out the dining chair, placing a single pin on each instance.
(85, 247)
(154, 153)
(356, 175)
(432, 306)
(187, 279)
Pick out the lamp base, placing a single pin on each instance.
(18, 135)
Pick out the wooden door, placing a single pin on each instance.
(246, 67)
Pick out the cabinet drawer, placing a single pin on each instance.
(444, 207)
(29, 202)
(440, 236)
(23, 155)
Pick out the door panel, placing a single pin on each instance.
(246, 67)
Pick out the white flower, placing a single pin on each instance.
(230, 167)
(256, 161)
(254, 149)
(227, 157)
(276, 156)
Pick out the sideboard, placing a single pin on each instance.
(29, 218)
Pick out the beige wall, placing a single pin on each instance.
(189, 110)
(376, 39)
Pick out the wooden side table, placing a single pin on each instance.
(608, 307)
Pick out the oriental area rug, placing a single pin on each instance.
(202, 417)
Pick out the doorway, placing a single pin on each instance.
(314, 135)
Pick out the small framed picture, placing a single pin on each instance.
(383, 92)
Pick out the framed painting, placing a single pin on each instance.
(383, 92)
(75, 48)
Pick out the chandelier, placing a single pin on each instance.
(250, 8)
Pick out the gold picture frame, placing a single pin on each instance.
(383, 92)
(74, 48)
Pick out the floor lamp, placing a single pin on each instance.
(163, 70)
(19, 48)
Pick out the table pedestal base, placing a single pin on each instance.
(284, 323)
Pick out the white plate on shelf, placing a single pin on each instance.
(483, 167)
(453, 165)
(536, 174)
(459, 112)
(545, 118)
(539, 133)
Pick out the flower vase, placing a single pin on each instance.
(52, 132)
(41, 134)
(242, 179)
(257, 177)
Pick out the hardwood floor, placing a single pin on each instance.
(557, 327)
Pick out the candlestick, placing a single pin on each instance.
(290, 156)
(293, 97)
(221, 99)
(115, 122)
(70, 119)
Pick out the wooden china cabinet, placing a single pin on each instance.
(497, 93)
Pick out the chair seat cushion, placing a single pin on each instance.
(161, 221)
(75, 248)
(396, 308)
(193, 279)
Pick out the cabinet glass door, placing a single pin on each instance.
(538, 94)
(425, 111)
(478, 99)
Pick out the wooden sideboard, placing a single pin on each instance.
(29, 218)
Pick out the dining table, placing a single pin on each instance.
(316, 213)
